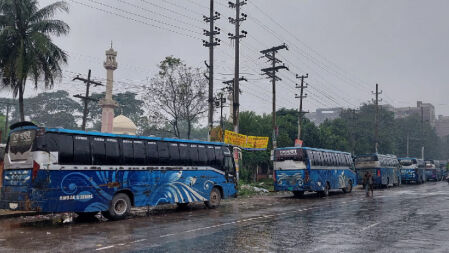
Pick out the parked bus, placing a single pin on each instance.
(433, 170)
(412, 170)
(58, 170)
(315, 170)
(385, 169)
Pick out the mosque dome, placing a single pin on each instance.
(123, 125)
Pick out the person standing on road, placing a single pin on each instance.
(368, 183)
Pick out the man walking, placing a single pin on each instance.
(368, 183)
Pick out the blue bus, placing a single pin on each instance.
(433, 170)
(385, 169)
(412, 170)
(58, 170)
(315, 170)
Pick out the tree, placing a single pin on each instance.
(26, 47)
(176, 95)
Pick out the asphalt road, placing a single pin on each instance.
(406, 219)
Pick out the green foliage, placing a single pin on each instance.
(26, 47)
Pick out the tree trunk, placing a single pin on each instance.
(189, 128)
(21, 110)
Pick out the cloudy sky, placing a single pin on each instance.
(346, 46)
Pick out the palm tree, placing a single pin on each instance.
(26, 47)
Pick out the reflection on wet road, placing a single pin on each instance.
(405, 219)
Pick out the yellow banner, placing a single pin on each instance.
(235, 138)
(257, 142)
(247, 142)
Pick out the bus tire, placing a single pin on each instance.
(214, 198)
(298, 194)
(348, 187)
(120, 207)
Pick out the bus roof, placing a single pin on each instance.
(315, 149)
(27, 125)
(374, 154)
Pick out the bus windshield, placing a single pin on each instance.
(407, 162)
(289, 154)
(20, 144)
(366, 159)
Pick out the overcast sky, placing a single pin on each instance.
(346, 46)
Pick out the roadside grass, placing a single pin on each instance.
(247, 189)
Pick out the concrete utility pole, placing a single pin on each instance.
(270, 54)
(239, 17)
(354, 126)
(86, 98)
(220, 102)
(301, 97)
(422, 132)
(376, 131)
(213, 30)
(230, 89)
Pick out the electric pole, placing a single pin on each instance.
(270, 54)
(230, 88)
(354, 126)
(86, 98)
(239, 17)
(301, 97)
(376, 131)
(422, 132)
(213, 30)
(220, 102)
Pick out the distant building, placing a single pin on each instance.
(323, 114)
(442, 126)
(425, 110)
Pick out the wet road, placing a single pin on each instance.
(405, 219)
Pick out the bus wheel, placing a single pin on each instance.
(119, 209)
(298, 194)
(214, 199)
(348, 187)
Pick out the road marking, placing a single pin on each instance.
(136, 241)
(370, 226)
(107, 247)
(167, 235)
(233, 222)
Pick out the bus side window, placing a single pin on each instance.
(219, 157)
(139, 153)
(98, 151)
(184, 155)
(127, 152)
(162, 150)
(211, 156)
(65, 148)
(193, 154)
(112, 151)
(81, 151)
(152, 153)
(174, 154)
(202, 155)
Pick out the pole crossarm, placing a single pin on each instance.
(84, 80)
